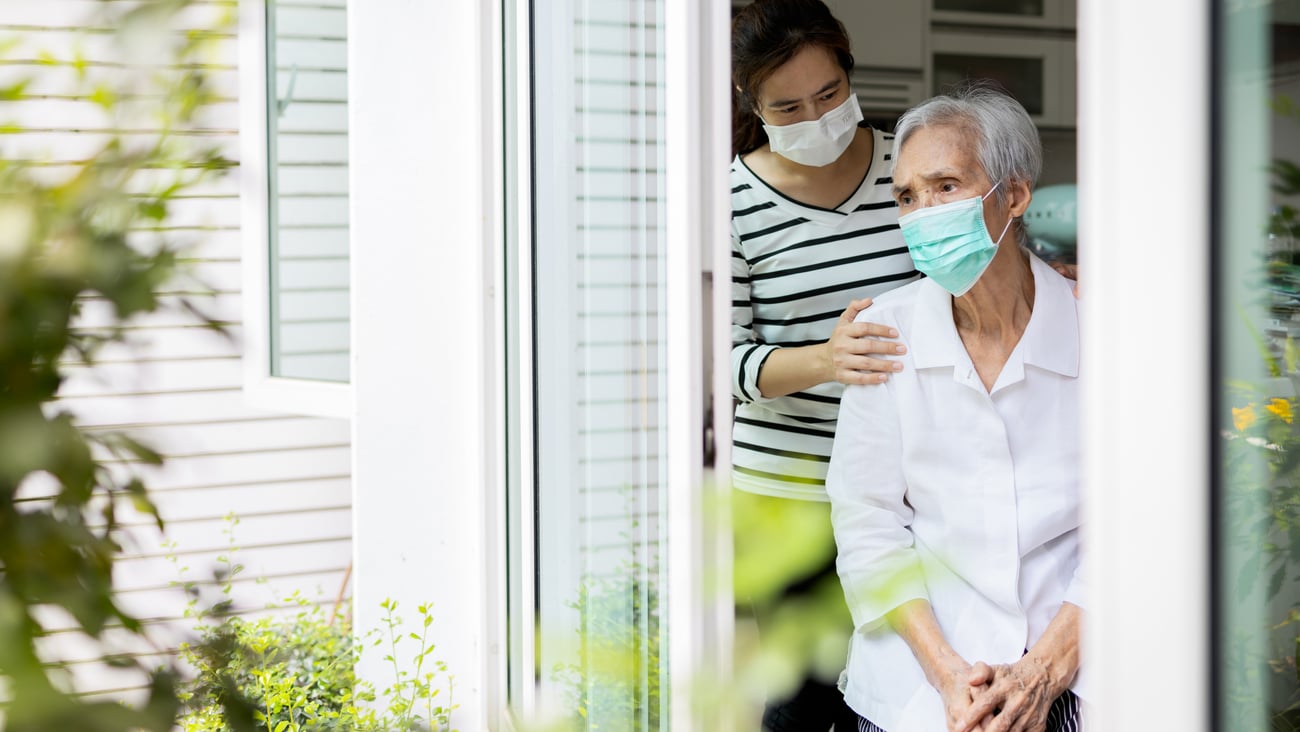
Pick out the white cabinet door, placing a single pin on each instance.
(886, 34)
(1033, 70)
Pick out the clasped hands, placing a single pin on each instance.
(1011, 697)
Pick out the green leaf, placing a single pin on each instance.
(15, 91)
(1275, 581)
(104, 97)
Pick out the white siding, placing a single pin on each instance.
(286, 477)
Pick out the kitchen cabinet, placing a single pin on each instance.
(909, 50)
(1037, 71)
(889, 53)
(1014, 13)
(886, 34)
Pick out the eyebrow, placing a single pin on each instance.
(787, 102)
(939, 174)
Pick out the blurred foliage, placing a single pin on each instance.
(297, 673)
(69, 236)
(613, 679)
(1261, 466)
(614, 683)
(788, 593)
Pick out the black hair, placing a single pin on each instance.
(765, 35)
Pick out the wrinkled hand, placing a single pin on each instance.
(1016, 699)
(960, 688)
(852, 344)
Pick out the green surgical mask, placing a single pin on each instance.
(950, 244)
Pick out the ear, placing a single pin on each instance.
(1018, 197)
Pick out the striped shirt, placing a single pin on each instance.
(794, 268)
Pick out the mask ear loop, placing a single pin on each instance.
(1009, 218)
(1004, 230)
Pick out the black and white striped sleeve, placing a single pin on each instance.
(747, 351)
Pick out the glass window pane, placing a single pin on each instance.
(308, 189)
(1021, 77)
(1258, 280)
(599, 268)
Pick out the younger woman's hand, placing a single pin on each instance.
(853, 348)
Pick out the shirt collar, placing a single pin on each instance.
(1050, 340)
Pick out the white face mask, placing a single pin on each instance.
(817, 142)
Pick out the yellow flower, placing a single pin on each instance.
(1244, 417)
(1281, 408)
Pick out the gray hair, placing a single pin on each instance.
(1008, 147)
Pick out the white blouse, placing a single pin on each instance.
(943, 491)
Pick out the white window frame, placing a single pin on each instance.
(700, 608)
(261, 389)
(1145, 317)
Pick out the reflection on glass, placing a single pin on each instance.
(1030, 8)
(1021, 77)
(308, 188)
(1259, 318)
(598, 281)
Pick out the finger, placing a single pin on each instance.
(854, 308)
(1069, 271)
(1006, 718)
(980, 674)
(1025, 723)
(1000, 723)
(858, 306)
(870, 330)
(849, 377)
(979, 715)
(863, 370)
(847, 348)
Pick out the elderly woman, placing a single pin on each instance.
(954, 485)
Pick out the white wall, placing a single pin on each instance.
(424, 162)
(288, 478)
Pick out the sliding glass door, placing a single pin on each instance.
(587, 571)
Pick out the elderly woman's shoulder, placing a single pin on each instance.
(894, 306)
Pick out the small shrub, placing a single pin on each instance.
(297, 673)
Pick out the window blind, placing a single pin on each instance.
(599, 256)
